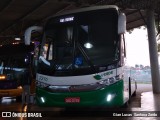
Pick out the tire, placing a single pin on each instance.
(125, 105)
(134, 94)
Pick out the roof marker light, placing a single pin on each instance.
(17, 38)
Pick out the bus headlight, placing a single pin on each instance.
(110, 81)
(19, 87)
(2, 77)
(41, 84)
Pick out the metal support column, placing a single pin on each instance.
(153, 51)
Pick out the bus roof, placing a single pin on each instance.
(84, 9)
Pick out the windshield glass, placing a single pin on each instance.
(87, 40)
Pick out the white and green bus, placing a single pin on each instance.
(82, 58)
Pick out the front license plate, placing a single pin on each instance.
(72, 100)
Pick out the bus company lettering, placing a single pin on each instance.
(42, 78)
(100, 76)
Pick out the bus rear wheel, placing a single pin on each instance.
(134, 94)
(125, 105)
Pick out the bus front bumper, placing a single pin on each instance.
(11, 92)
(109, 96)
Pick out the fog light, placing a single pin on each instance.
(42, 99)
(110, 97)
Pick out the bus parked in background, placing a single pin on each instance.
(81, 59)
(14, 58)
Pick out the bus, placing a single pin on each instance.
(14, 58)
(81, 59)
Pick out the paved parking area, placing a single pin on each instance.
(144, 106)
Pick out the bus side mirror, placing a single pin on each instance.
(29, 31)
(121, 23)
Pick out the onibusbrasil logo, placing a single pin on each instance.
(100, 76)
(19, 114)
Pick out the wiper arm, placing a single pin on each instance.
(86, 57)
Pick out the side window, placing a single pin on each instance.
(50, 52)
(36, 51)
(47, 52)
(1, 66)
(44, 51)
(123, 50)
(124, 45)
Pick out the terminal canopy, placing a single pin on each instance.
(17, 15)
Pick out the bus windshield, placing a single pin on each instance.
(14, 58)
(84, 42)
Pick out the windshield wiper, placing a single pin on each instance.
(86, 57)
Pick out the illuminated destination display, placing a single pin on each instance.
(66, 19)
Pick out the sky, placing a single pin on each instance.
(137, 47)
